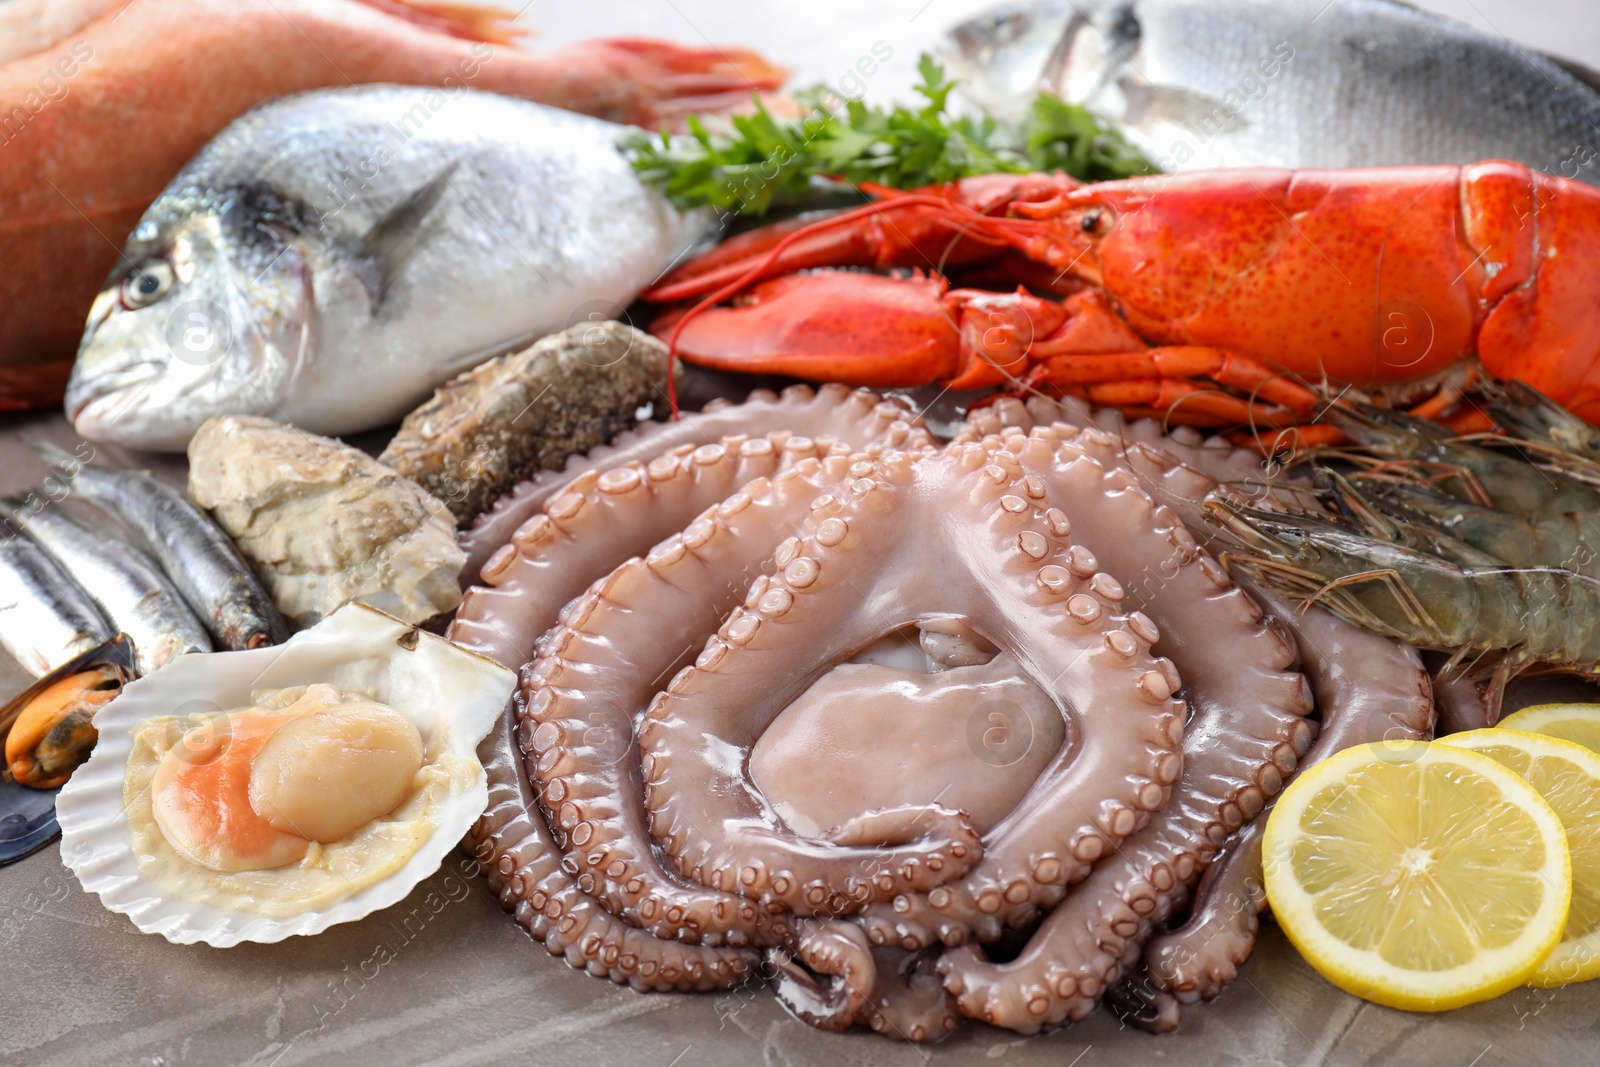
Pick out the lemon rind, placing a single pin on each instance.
(1544, 714)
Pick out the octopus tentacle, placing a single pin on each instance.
(1202, 957)
(835, 980)
(837, 951)
(523, 866)
(852, 416)
(908, 999)
(601, 668)
(600, 519)
(1012, 575)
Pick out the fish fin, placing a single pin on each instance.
(468, 21)
(393, 239)
(1150, 104)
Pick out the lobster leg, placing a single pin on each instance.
(1184, 403)
(1161, 379)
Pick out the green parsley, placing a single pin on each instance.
(758, 161)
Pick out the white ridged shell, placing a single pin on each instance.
(448, 692)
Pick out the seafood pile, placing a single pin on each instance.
(915, 721)
(1064, 772)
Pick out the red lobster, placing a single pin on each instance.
(1209, 298)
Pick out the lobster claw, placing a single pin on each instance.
(841, 326)
(868, 329)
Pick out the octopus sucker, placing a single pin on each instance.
(853, 417)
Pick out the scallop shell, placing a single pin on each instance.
(446, 690)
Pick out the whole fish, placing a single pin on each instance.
(197, 557)
(1298, 83)
(46, 619)
(136, 598)
(331, 257)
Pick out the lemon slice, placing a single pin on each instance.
(1568, 776)
(1570, 722)
(1417, 875)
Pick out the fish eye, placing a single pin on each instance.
(1126, 29)
(147, 283)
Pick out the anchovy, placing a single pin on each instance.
(333, 256)
(136, 598)
(1297, 83)
(197, 557)
(46, 619)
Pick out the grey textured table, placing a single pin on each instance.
(445, 977)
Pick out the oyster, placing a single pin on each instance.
(256, 795)
(324, 524)
(505, 421)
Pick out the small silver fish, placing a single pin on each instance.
(332, 256)
(197, 557)
(1299, 83)
(136, 598)
(46, 619)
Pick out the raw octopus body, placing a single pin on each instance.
(686, 608)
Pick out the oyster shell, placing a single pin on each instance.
(109, 833)
(324, 524)
(504, 421)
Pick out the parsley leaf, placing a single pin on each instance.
(751, 163)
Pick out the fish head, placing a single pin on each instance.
(209, 312)
(1015, 50)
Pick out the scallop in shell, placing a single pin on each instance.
(350, 757)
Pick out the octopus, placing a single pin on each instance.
(913, 731)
